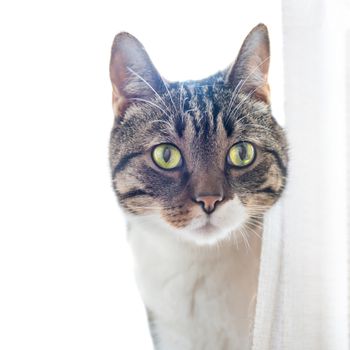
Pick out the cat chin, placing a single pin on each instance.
(207, 236)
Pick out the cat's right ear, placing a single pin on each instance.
(250, 70)
(132, 73)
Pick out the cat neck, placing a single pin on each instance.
(196, 295)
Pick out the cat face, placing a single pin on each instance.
(200, 158)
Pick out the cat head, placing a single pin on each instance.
(200, 158)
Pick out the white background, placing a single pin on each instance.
(66, 277)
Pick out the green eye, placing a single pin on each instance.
(241, 154)
(167, 156)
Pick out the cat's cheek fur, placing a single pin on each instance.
(203, 229)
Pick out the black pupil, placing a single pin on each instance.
(167, 154)
(242, 151)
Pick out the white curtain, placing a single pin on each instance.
(303, 289)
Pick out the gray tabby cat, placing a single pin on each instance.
(195, 165)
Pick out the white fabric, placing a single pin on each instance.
(269, 279)
(303, 293)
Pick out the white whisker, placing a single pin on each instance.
(151, 103)
(172, 101)
(253, 72)
(149, 85)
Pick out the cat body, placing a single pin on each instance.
(195, 166)
(196, 299)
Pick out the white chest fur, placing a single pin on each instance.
(199, 298)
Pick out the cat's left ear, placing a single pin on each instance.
(250, 70)
(132, 73)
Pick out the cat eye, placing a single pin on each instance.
(167, 156)
(241, 154)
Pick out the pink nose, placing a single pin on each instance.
(208, 202)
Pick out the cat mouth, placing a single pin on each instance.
(207, 228)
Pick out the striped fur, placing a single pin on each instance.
(200, 120)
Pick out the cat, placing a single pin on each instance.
(195, 165)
